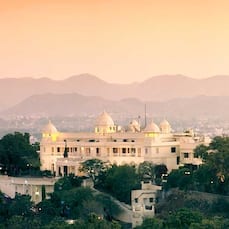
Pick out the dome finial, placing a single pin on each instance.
(49, 128)
(165, 127)
(152, 127)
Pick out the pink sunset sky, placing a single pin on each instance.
(117, 40)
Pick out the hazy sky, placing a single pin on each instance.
(116, 40)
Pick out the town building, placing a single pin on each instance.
(33, 186)
(143, 202)
(62, 152)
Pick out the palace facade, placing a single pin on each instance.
(63, 152)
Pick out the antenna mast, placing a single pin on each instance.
(145, 116)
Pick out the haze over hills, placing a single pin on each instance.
(158, 88)
(49, 105)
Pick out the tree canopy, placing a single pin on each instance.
(212, 175)
(17, 155)
(94, 168)
(120, 180)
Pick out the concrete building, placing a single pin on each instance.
(27, 186)
(63, 152)
(143, 201)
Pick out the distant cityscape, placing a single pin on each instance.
(33, 124)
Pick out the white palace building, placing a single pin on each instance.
(113, 144)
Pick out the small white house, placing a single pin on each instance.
(27, 186)
(143, 201)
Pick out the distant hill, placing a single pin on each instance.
(77, 105)
(157, 88)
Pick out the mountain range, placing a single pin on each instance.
(82, 94)
(50, 105)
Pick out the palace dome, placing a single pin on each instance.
(165, 126)
(49, 128)
(135, 123)
(104, 119)
(134, 126)
(152, 127)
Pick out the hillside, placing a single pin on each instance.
(76, 105)
(157, 88)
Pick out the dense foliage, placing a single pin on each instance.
(212, 176)
(17, 155)
(69, 206)
(120, 180)
(94, 168)
(185, 218)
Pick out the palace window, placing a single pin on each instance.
(173, 149)
(123, 150)
(148, 207)
(186, 155)
(115, 150)
(178, 160)
(97, 151)
(133, 151)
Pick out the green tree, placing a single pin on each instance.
(181, 178)
(205, 178)
(21, 222)
(160, 173)
(43, 192)
(67, 183)
(17, 154)
(96, 222)
(69, 202)
(20, 205)
(47, 210)
(215, 167)
(120, 180)
(201, 151)
(58, 223)
(183, 218)
(213, 223)
(93, 168)
(4, 209)
(110, 208)
(152, 223)
(146, 171)
(221, 206)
